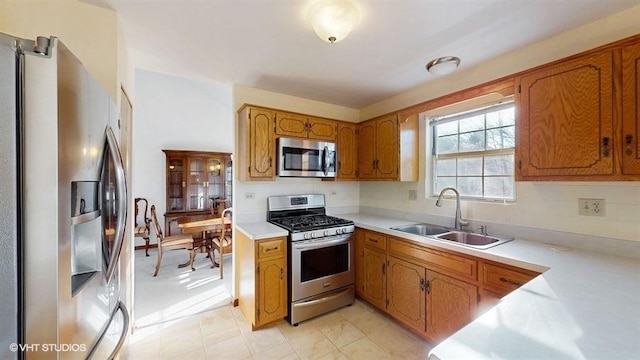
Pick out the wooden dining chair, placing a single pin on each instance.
(142, 220)
(179, 241)
(223, 241)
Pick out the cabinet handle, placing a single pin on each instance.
(383, 268)
(271, 249)
(422, 284)
(281, 273)
(373, 240)
(270, 161)
(377, 164)
(184, 184)
(339, 165)
(605, 146)
(510, 282)
(628, 140)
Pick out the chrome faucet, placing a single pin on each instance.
(459, 223)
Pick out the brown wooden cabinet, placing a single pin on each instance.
(303, 126)
(498, 280)
(256, 144)
(382, 143)
(262, 269)
(631, 109)
(196, 183)
(578, 118)
(565, 118)
(451, 304)
(406, 285)
(347, 145)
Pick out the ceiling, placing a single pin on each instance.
(268, 44)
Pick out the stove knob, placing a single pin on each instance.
(340, 231)
(326, 233)
(306, 236)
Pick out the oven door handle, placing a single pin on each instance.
(321, 244)
(324, 299)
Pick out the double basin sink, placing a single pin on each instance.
(472, 240)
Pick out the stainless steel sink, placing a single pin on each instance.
(476, 241)
(422, 229)
(472, 240)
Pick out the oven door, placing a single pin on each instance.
(306, 158)
(321, 265)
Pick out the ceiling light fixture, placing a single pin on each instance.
(443, 65)
(333, 20)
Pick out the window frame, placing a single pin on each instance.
(432, 122)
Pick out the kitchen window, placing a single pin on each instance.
(473, 151)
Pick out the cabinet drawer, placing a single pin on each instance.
(271, 248)
(502, 280)
(375, 240)
(449, 263)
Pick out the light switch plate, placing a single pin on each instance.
(591, 207)
(413, 195)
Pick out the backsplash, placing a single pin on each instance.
(539, 208)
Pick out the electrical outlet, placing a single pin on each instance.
(249, 195)
(333, 193)
(591, 207)
(413, 195)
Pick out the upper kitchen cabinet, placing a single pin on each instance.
(565, 119)
(302, 126)
(578, 118)
(347, 151)
(388, 148)
(630, 111)
(256, 144)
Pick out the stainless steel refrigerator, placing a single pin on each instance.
(63, 202)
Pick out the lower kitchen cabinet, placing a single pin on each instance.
(262, 268)
(406, 293)
(375, 279)
(451, 304)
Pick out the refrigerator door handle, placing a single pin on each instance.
(123, 335)
(121, 197)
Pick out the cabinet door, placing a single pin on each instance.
(215, 185)
(196, 181)
(565, 119)
(261, 143)
(291, 125)
(359, 260)
(367, 150)
(176, 183)
(375, 278)
(630, 110)
(451, 304)
(406, 293)
(347, 151)
(272, 291)
(387, 152)
(322, 129)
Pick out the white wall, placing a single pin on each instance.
(176, 114)
(250, 201)
(90, 32)
(542, 205)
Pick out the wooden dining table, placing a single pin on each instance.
(200, 224)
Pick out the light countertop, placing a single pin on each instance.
(585, 305)
(260, 230)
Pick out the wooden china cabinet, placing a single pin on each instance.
(198, 183)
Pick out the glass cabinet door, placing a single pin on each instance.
(175, 184)
(215, 183)
(197, 179)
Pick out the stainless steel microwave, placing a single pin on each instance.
(306, 158)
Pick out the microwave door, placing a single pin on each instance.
(113, 203)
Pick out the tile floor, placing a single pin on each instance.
(220, 331)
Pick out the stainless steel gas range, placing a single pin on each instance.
(321, 254)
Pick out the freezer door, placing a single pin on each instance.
(9, 192)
